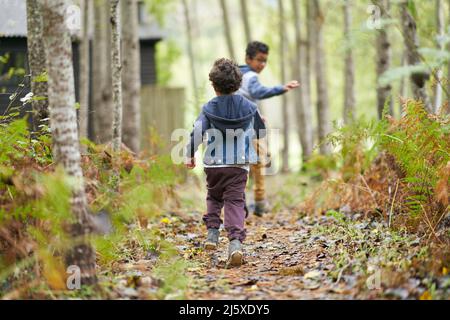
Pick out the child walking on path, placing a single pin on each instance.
(256, 59)
(230, 122)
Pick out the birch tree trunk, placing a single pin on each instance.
(191, 54)
(284, 106)
(349, 91)
(131, 75)
(403, 83)
(37, 62)
(439, 71)
(102, 113)
(84, 70)
(418, 79)
(321, 78)
(303, 111)
(403, 86)
(63, 122)
(383, 60)
(245, 20)
(116, 75)
(448, 68)
(227, 30)
(307, 85)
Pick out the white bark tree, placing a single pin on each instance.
(84, 69)
(37, 62)
(227, 30)
(303, 111)
(102, 111)
(131, 77)
(116, 75)
(190, 49)
(284, 106)
(349, 72)
(439, 72)
(245, 20)
(418, 78)
(383, 60)
(321, 77)
(63, 122)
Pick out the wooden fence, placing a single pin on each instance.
(162, 111)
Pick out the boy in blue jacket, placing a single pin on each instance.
(230, 122)
(256, 56)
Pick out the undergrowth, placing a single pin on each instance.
(35, 210)
(397, 170)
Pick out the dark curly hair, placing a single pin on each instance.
(225, 76)
(254, 47)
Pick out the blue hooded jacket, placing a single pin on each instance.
(230, 123)
(252, 89)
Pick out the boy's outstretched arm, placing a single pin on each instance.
(258, 91)
(200, 127)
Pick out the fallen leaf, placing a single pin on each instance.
(165, 220)
(314, 274)
(425, 296)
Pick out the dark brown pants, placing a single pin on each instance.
(226, 189)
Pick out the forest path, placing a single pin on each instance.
(284, 257)
(289, 255)
(281, 262)
(293, 256)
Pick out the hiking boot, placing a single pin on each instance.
(212, 240)
(260, 208)
(235, 254)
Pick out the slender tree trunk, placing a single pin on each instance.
(307, 85)
(282, 35)
(418, 79)
(63, 122)
(191, 54)
(383, 60)
(403, 82)
(108, 103)
(448, 69)
(439, 71)
(321, 78)
(131, 75)
(102, 112)
(84, 71)
(349, 94)
(245, 20)
(37, 63)
(303, 112)
(227, 30)
(403, 86)
(116, 75)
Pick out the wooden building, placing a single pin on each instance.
(13, 51)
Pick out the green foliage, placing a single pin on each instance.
(356, 145)
(43, 77)
(339, 216)
(412, 8)
(420, 145)
(159, 8)
(13, 137)
(167, 53)
(172, 273)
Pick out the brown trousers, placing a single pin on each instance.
(257, 170)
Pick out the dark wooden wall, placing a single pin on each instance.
(19, 44)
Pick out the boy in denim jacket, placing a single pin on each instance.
(229, 122)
